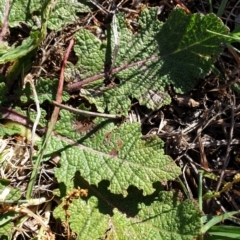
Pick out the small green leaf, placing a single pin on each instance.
(7, 192)
(6, 230)
(46, 90)
(27, 46)
(3, 91)
(6, 218)
(32, 115)
(3, 48)
(36, 36)
(20, 11)
(20, 130)
(63, 13)
(236, 88)
(29, 12)
(4, 131)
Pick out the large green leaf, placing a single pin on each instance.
(111, 152)
(176, 52)
(158, 217)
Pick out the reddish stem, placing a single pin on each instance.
(5, 21)
(60, 84)
(76, 86)
(59, 93)
(61, 80)
(182, 6)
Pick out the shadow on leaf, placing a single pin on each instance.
(107, 201)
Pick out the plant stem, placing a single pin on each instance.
(200, 190)
(51, 123)
(76, 86)
(5, 21)
(200, 237)
(210, 5)
(89, 113)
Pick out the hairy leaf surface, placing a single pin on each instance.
(111, 152)
(176, 52)
(162, 218)
(29, 12)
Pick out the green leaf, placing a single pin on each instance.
(163, 217)
(36, 36)
(6, 229)
(66, 13)
(3, 48)
(46, 90)
(20, 11)
(8, 131)
(229, 232)
(27, 46)
(176, 52)
(3, 91)
(6, 218)
(236, 88)
(217, 219)
(32, 116)
(29, 12)
(15, 127)
(7, 192)
(114, 153)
